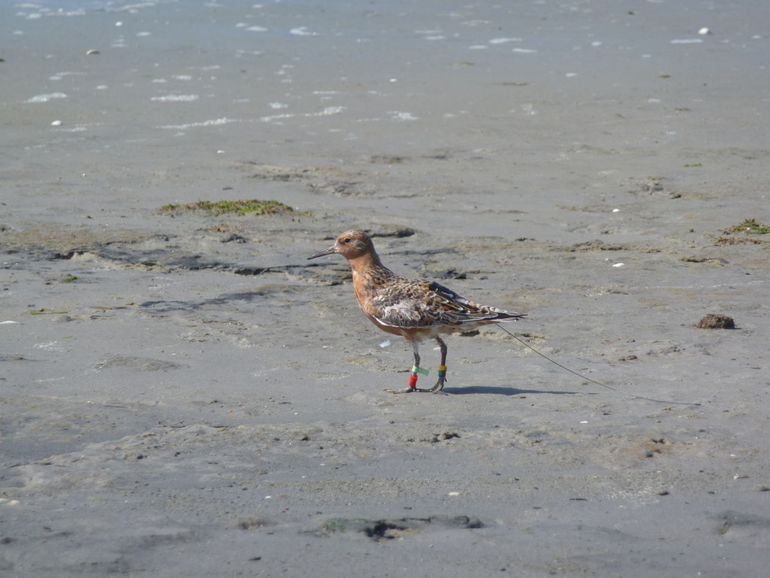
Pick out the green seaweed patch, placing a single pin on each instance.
(239, 207)
(70, 278)
(750, 226)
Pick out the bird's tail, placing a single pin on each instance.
(505, 316)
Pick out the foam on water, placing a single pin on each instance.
(328, 111)
(302, 31)
(60, 75)
(46, 97)
(431, 34)
(401, 116)
(504, 40)
(205, 123)
(175, 98)
(74, 8)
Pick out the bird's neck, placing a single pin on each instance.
(366, 263)
(368, 273)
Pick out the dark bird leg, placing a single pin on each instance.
(413, 374)
(416, 350)
(441, 368)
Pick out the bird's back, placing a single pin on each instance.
(399, 302)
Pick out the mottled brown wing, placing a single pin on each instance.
(406, 303)
(470, 312)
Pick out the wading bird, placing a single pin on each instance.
(414, 309)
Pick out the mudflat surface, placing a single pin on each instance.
(183, 394)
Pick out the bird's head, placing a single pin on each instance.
(351, 245)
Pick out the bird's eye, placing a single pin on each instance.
(347, 240)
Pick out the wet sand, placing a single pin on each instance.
(185, 395)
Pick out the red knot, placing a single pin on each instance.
(414, 309)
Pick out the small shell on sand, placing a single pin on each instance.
(715, 321)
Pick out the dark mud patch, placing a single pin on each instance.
(5, 357)
(652, 185)
(707, 260)
(595, 246)
(453, 273)
(740, 525)
(252, 523)
(170, 258)
(393, 529)
(323, 180)
(388, 159)
(384, 231)
(137, 363)
(738, 241)
(396, 232)
(265, 292)
(278, 173)
(61, 242)
(656, 186)
(339, 188)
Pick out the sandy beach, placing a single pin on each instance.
(183, 394)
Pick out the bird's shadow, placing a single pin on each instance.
(509, 391)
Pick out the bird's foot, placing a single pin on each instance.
(405, 390)
(441, 380)
(438, 388)
(410, 390)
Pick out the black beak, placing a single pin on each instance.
(330, 251)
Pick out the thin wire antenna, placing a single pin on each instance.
(591, 380)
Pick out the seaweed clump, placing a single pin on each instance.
(237, 207)
(749, 226)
